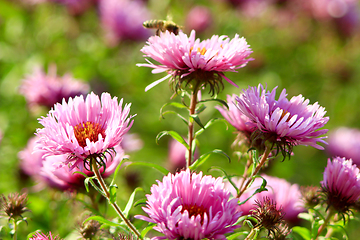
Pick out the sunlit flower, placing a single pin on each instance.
(45, 170)
(191, 206)
(123, 19)
(341, 184)
(284, 123)
(193, 62)
(345, 142)
(46, 89)
(84, 128)
(42, 236)
(237, 119)
(285, 194)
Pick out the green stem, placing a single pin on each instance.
(257, 169)
(331, 213)
(15, 228)
(248, 164)
(253, 234)
(114, 205)
(193, 103)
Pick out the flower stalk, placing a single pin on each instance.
(257, 169)
(193, 103)
(114, 204)
(330, 214)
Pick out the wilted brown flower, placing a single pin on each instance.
(14, 205)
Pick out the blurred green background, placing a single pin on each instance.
(296, 52)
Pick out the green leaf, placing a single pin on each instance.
(152, 165)
(200, 109)
(258, 190)
(116, 171)
(131, 201)
(175, 136)
(206, 156)
(223, 102)
(90, 180)
(208, 124)
(227, 177)
(303, 232)
(197, 120)
(147, 229)
(177, 114)
(102, 220)
(112, 191)
(173, 104)
(236, 234)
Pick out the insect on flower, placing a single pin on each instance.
(163, 26)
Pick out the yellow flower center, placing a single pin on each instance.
(202, 51)
(88, 130)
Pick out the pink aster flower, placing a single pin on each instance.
(45, 170)
(199, 18)
(341, 184)
(283, 122)
(123, 19)
(84, 128)
(187, 59)
(41, 89)
(237, 119)
(42, 236)
(176, 155)
(286, 195)
(345, 142)
(191, 206)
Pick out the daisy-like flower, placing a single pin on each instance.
(237, 119)
(191, 206)
(42, 236)
(84, 129)
(45, 170)
(46, 89)
(193, 62)
(285, 194)
(341, 184)
(284, 123)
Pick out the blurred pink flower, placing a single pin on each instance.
(283, 122)
(131, 142)
(286, 195)
(123, 19)
(42, 236)
(199, 18)
(191, 206)
(41, 89)
(186, 59)
(45, 170)
(345, 142)
(83, 128)
(341, 184)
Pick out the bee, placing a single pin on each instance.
(162, 25)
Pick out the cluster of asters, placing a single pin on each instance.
(190, 205)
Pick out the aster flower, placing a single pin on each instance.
(341, 184)
(176, 155)
(285, 194)
(193, 62)
(42, 236)
(268, 216)
(310, 195)
(191, 206)
(345, 142)
(284, 123)
(14, 206)
(45, 170)
(237, 119)
(199, 18)
(123, 19)
(41, 89)
(84, 129)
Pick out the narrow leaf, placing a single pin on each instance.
(205, 157)
(131, 201)
(216, 100)
(112, 191)
(177, 114)
(174, 135)
(208, 124)
(147, 229)
(197, 120)
(102, 220)
(200, 109)
(303, 232)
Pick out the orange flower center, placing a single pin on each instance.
(88, 130)
(202, 51)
